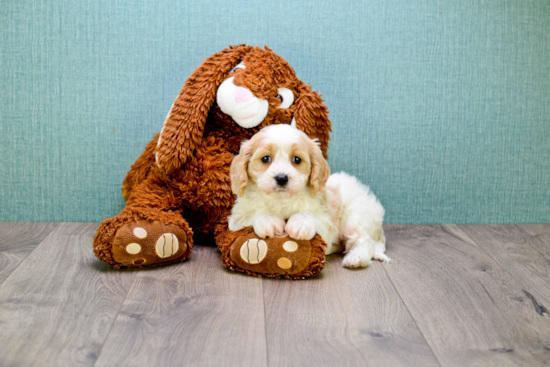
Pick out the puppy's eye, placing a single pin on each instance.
(238, 66)
(296, 160)
(266, 159)
(286, 96)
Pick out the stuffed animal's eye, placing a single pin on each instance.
(266, 159)
(296, 160)
(286, 96)
(238, 66)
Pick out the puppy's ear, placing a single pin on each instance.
(320, 170)
(184, 126)
(239, 166)
(312, 116)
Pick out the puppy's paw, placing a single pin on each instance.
(380, 256)
(301, 227)
(234, 224)
(358, 257)
(269, 226)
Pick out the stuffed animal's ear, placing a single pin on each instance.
(320, 170)
(184, 125)
(312, 117)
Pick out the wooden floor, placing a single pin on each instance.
(473, 295)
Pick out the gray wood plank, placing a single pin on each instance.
(540, 237)
(517, 252)
(342, 317)
(17, 240)
(536, 229)
(57, 307)
(469, 308)
(190, 314)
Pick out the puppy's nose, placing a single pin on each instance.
(282, 180)
(242, 94)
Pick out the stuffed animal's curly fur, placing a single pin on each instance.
(181, 182)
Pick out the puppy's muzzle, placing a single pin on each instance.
(281, 180)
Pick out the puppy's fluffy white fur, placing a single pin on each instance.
(342, 210)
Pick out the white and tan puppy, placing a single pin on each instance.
(283, 187)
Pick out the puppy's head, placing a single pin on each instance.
(279, 160)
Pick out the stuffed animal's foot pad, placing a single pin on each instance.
(253, 251)
(144, 243)
(271, 256)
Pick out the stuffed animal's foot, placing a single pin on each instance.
(279, 257)
(145, 243)
(139, 237)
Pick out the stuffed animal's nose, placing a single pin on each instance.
(281, 180)
(242, 94)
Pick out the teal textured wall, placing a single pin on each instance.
(442, 107)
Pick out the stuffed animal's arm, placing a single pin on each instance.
(154, 193)
(140, 169)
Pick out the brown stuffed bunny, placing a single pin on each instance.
(181, 180)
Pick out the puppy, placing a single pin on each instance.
(283, 186)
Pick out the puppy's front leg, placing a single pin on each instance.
(268, 226)
(301, 226)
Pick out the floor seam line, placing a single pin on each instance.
(411, 315)
(22, 261)
(265, 325)
(115, 318)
